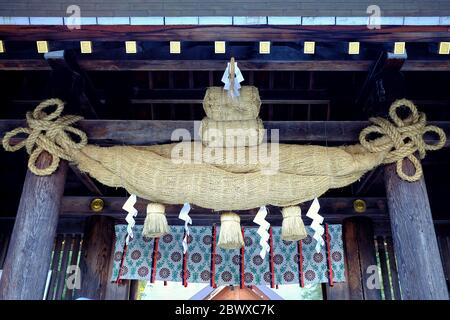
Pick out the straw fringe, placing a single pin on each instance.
(230, 234)
(292, 227)
(155, 224)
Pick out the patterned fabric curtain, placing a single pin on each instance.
(137, 263)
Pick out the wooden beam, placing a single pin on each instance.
(333, 209)
(30, 249)
(386, 62)
(95, 258)
(72, 85)
(147, 132)
(367, 259)
(185, 96)
(351, 253)
(419, 264)
(226, 33)
(208, 65)
(200, 65)
(86, 180)
(359, 249)
(24, 65)
(366, 182)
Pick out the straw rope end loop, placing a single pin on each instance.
(402, 138)
(47, 132)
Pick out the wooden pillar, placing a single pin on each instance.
(95, 262)
(360, 263)
(30, 249)
(419, 264)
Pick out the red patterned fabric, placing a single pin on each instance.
(155, 257)
(330, 264)
(300, 263)
(122, 260)
(272, 267)
(242, 262)
(185, 256)
(213, 258)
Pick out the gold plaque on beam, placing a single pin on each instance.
(86, 46)
(353, 48)
(175, 47)
(2, 47)
(309, 47)
(399, 48)
(130, 47)
(444, 48)
(264, 47)
(97, 205)
(359, 206)
(42, 46)
(219, 46)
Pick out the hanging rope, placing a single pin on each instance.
(402, 138)
(47, 132)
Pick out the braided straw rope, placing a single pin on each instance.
(47, 132)
(304, 171)
(402, 138)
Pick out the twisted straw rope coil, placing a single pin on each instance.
(219, 106)
(402, 138)
(47, 132)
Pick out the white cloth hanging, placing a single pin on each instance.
(234, 92)
(184, 215)
(316, 225)
(263, 231)
(132, 213)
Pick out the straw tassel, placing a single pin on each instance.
(155, 224)
(292, 228)
(230, 235)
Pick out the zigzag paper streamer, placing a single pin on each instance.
(260, 219)
(316, 225)
(184, 215)
(132, 213)
(238, 79)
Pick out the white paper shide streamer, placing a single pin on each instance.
(263, 230)
(184, 215)
(234, 92)
(132, 213)
(316, 225)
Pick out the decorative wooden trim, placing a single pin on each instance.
(224, 33)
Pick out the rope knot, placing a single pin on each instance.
(402, 138)
(47, 132)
